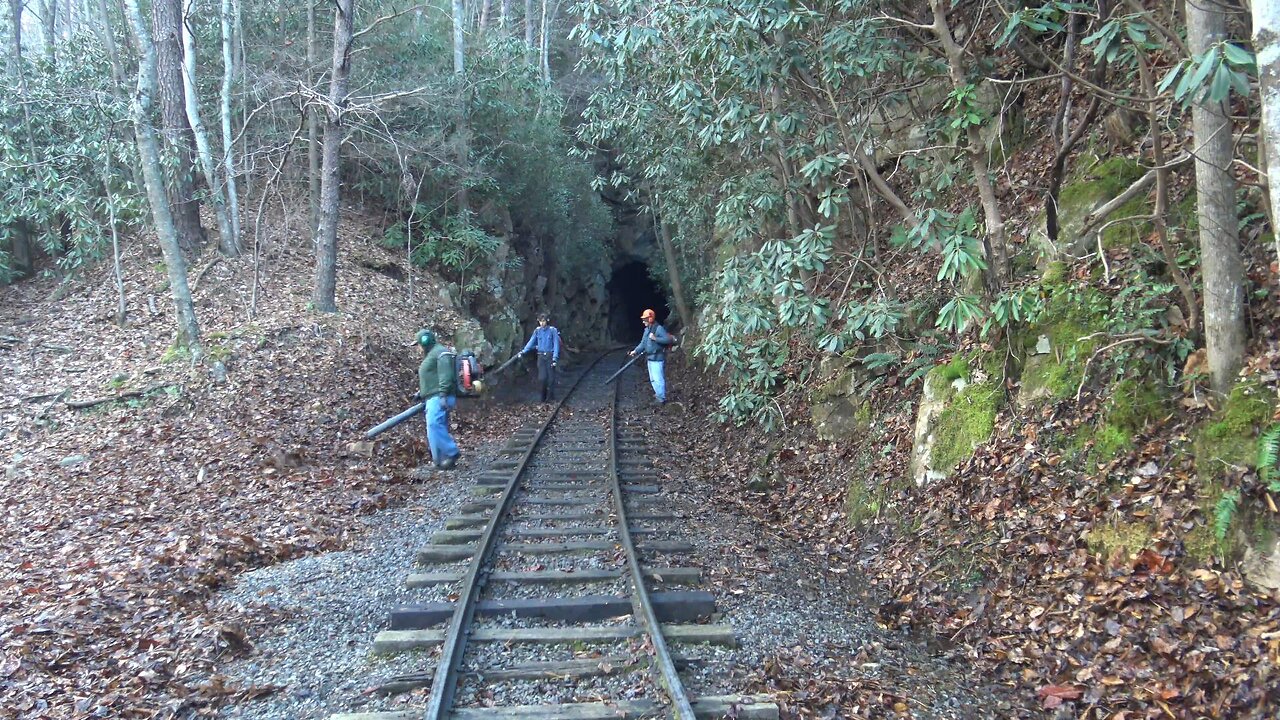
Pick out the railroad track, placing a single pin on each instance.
(556, 585)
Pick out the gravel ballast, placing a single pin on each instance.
(773, 595)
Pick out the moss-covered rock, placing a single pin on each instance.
(1133, 404)
(957, 414)
(864, 500)
(1059, 345)
(1125, 538)
(1084, 191)
(964, 425)
(1128, 224)
(1261, 559)
(838, 411)
(1130, 406)
(1230, 437)
(1109, 442)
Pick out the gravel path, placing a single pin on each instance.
(319, 657)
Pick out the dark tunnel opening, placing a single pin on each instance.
(631, 292)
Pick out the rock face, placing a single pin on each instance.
(957, 413)
(523, 281)
(1084, 192)
(937, 390)
(839, 412)
(898, 129)
(1261, 563)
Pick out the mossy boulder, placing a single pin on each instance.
(864, 500)
(1089, 188)
(1229, 439)
(1057, 348)
(1130, 406)
(1260, 563)
(504, 334)
(957, 413)
(838, 411)
(1119, 538)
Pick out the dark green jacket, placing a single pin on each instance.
(437, 377)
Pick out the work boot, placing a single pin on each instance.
(450, 463)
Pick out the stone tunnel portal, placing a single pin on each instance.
(631, 292)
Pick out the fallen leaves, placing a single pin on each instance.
(109, 564)
(1052, 696)
(1000, 559)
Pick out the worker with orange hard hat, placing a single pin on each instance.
(654, 343)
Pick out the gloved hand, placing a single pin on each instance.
(554, 363)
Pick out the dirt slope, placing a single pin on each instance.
(119, 518)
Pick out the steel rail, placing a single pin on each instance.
(642, 603)
(445, 682)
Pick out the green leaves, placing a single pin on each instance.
(1043, 20)
(1223, 68)
(959, 312)
(962, 102)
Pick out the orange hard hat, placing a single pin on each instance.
(648, 315)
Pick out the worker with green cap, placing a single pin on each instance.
(437, 385)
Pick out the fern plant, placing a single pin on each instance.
(1268, 454)
(1224, 512)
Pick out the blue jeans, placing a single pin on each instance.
(438, 438)
(657, 378)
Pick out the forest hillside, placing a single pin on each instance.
(978, 304)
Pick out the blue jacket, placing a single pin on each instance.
(546, 339)
(655, 349)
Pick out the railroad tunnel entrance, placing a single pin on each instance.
(631, 292)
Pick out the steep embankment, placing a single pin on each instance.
(1063, 501)
(120, 516)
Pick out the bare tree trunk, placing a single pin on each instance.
(673, 275)
(548, 21)
(228, 141)
(979, 159)
(313, 121)
(167, 21)
(459, 39)
(1160, 223)
(18, 70)
(242, 66)
(22, 257)
(463, 139)
(48, 18)
(528, 31)
(1221, 266)
(485, 8)
(122, 306)
(1266, 43)
(148, 150)
(326, 238)
(229, 243)
(109, 42)
(504, 16)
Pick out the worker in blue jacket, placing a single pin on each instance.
(546, 340)
(654, 343)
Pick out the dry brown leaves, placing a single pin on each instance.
(995, 559)
(120, 520)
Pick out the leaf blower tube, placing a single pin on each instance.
(416, 409)
(630, 362)
(387, 425)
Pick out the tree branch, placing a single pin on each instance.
(392, 16)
